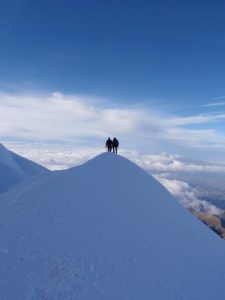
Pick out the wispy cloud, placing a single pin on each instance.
(215, 101)
(198, 119)
(187, 196)
(85, 121)
(213, 104)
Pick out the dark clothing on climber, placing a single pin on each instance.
(109, 145)
(115, 145)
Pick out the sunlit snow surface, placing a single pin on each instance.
(104, 230)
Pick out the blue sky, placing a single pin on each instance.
(165, 58)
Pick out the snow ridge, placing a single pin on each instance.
(105, 230)
(15, 168)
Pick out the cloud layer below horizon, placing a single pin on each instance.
(188, 196)
(59, 158)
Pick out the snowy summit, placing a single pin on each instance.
(105, 230)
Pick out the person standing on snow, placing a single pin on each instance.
(115, 145)
(109, 144)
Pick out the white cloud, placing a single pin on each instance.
(54, 157)
(85, 120)
(62, 117)
(198, 119)
(187, 196)
(213, 104)
(58, 157)
(165, 162)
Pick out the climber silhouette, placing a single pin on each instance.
(115, 145)
(109, 144)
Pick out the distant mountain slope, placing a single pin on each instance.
(15, 168)
(105, 230)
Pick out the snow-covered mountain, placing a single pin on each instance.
(105, 230)
(15, 168)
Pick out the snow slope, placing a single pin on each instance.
(15, 168)
(105, 230)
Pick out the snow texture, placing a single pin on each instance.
(15, 168)
(105, 230)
